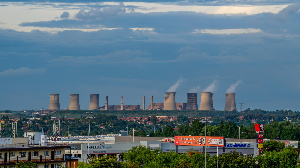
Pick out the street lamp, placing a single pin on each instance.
(239, 132)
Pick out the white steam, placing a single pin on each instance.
(212, 87)
(232, 87)
(195, 89)
(175, 86)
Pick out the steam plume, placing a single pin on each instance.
(232, 87)
(195, 89)
(211, 87)
(175, 86)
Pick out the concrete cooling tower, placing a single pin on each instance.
(54, 102)
(74, 102)
(170, 101)
(94, 102)
(230, 102)
(192, 101)
(206, 101)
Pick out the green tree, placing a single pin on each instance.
(273, 145)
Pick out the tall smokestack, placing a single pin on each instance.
(122, 105)
(143, 102)
(169, 103)
(54, 102)
(106, 103)
(230, 102)
(94, 101)
(192, 101)
(74, 102)
(151, 102)
(206, 101)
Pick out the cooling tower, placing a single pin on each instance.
(74, 102)
(169, 103)
(192, 101)
(54, 102)
(94, 102)
(122, 104)
(106, 103)
(151, 103)
(143, 102)
(230, 102)
(206, 101)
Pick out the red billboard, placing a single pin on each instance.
(259, 128)
(260, 136)
(260, 141)
(199, 141)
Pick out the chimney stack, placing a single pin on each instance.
(230, 102)
(122, 105)
(151, 102)
(94, 102)
(169, 103)
(54, 102)
(206, 101)
(74, 102)
(143, 102)
(106, 103)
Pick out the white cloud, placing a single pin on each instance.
(227, 31)
(125, 56)
(22, 71)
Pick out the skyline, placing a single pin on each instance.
(136, 49)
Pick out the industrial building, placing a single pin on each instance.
(169, 101)
(74, 102)
(206, 101)
(230, 104)
(119, 144)
(192, 101)
(54, 102)
(94, 102)
(18, 150)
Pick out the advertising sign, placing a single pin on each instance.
(199, 141)
(238, 145)
(260, 141)
(260, 136)
(259, 146)
(259, 128)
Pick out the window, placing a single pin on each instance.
(23, 154)
(46, 166)
(57, 152)
(46, 153)
(57, 166)
(12, 154)
(35, 153)
(0, 155)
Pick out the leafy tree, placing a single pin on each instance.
(273, 145)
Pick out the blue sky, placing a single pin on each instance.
(136, 49)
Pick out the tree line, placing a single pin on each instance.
(142, 156)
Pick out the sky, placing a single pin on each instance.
(144, 48)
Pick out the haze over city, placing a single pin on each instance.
(135, 49)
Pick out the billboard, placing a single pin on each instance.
(259, 128)
(199, 141)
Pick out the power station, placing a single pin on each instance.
(230, 104)
(192, 101)
(54, 102)
(74, 102)
(94, 102)
(169, 103)
(206, 101)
